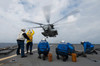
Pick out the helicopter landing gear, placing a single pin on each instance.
(46, 36)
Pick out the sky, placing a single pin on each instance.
(82, 26)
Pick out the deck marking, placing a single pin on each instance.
(8, 57)
(5, 58)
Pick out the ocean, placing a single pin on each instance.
(3, 45)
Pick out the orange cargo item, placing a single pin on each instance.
(50, 57)
(74, 57)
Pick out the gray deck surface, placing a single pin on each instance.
(32, 60)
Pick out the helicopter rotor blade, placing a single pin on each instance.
(32, 22)
(73, 12)
(35, 27)
(47, 10)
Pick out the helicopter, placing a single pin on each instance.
(49, 29)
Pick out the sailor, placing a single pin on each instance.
(20, 41)
(62, 50)
(43, 48)
(29, 42)
(88, 47)
(71, 48)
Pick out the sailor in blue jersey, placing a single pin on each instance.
(71, 48)
(88, 47)
(62, 50)
(43, 48)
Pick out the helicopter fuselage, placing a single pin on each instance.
(49, 31)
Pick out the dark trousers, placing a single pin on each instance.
(20, 46)
(29, 44)
(45, 53)
(63, 54)
(89, 51)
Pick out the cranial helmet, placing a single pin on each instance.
(30, 31)
(44, 39)
(62, 41)
(82, 42)
(23, 29)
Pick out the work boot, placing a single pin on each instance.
(95, 52)
(77, 55)
(43, 57)
(84, 55)
(27, 52)
(39, 57)
(23, 56)
(67, 57)
(18, 54)
(31, 53)
(58, 57)
(64, 59)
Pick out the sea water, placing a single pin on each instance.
(3, 45)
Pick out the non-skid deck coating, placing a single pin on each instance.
(32, 60)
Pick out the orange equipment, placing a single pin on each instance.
(49, 57)
(74, 57)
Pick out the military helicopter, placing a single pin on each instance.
(49, 30)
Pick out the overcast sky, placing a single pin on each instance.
(83, 26)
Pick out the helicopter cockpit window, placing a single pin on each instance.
(46, 27)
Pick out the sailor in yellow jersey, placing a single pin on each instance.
(29, 42)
